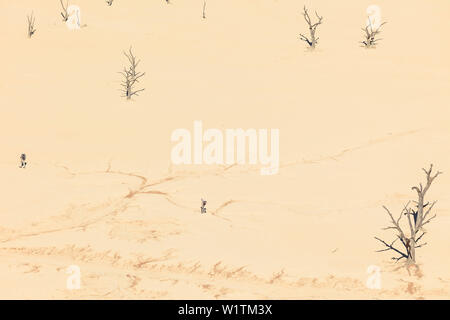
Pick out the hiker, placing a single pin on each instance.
(23, 162)
(203, 207)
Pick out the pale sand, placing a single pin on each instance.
(356, 127)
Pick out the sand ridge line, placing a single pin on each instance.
(80, 225)
(118, 207)
(223, 275)
(141, 190)
(144, 185)
(196, 272)
(346, 151)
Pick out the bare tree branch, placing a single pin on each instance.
(312, 41)
(64, 13)
(131, 76)
(370, 34)
(31, 28)
(204, 9)
(391, 247)
(416, 223)
(420, 237)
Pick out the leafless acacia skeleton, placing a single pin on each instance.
(64, 13)
(370, 34)
(31, 28)
(417, 218)
(204, 9)
(131, 76)
(312, 41)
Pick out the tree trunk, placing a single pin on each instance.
(313, 38)
(412, 251)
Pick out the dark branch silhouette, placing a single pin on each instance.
(371, 34)
(417, 218)
(312, 40)
(31, 28)
(64, 13)
(131, 76)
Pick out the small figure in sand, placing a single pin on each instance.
(23, 162)
(203, 207)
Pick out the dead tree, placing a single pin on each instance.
(312, 41)
(31, 28)
(131, 77)
(417, 218)
(64, 13)
(204, 9)
(370, 34)
(109, 2)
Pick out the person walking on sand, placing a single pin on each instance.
(203, 207)
(23, 162)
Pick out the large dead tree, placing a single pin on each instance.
(312, 40)
(417, 216)
(371, 34)
(131, 76)
(31, 28)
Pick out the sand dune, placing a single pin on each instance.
(100, 191)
